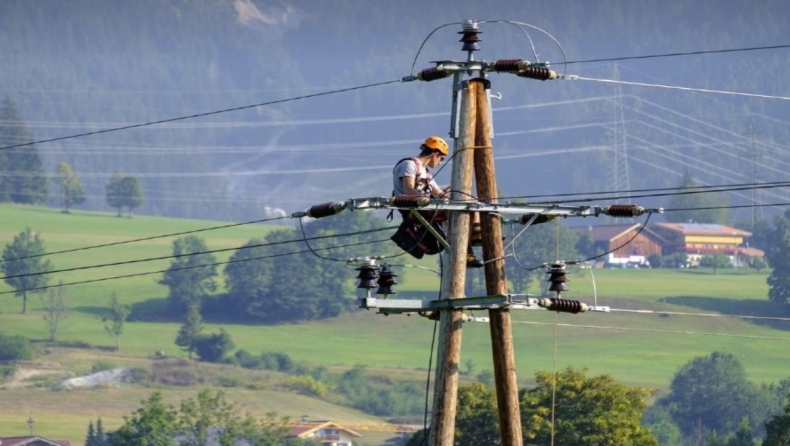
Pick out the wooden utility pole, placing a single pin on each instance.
(496, 284)
(445, 394)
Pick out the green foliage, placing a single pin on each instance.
(715, 261)
(658, 418)
(277, 361)
(270, 280)
(307, 385)
(208, 419)
(71, 192)
(15, 348)
(712, 394)
(190, 330)
(115, 319)
(55, 303)
(477, 420)
(23, 264)
(778, 256)
(592, 411)
(778, 429)
(213, 347)
(102, 365)
(390, 399)
(123, 191)
(97, 436)
(22, 176)
(188, 280)
(709, 207)
(154, 423)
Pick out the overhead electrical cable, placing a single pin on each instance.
(198, 115)
(190, 254)
(677, 54)
(655, 330)
(125, 276)
(143, 239)
(674, 87)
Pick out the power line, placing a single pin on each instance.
(688, 53)
(189, 254)
(198, 115)
(674, 87)
(655, 330)
(153, 237)
(125, 276)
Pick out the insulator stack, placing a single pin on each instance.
(624, 210)
(557, 278)
(367, 276)
(386, 280)
(539, 73)
(326, 209)
(470, 36)
(432, 74)
(410, 201)
(510, 65)
(542, 218)
(563, 305)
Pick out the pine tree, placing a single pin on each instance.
(90, 440)
(22, 176)
(101, 436)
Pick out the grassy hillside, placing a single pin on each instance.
(636, 348)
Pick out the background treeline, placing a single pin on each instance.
(87, 66)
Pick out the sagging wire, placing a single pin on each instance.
(198, 115)
(174, 234)
(148, 273)
(574, 262)
(189, 254)
(519, 24)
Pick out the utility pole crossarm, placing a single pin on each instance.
(415, 202)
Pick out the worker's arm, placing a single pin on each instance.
(438, 192)
(408, 186)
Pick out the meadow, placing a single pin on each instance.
(685, 313)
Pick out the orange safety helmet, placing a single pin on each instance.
(436, 143)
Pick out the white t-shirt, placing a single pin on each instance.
(423, 180)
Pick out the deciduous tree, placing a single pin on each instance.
(190, 330)
(778, 429)
(24, 266)
(778, 256)
(154, 423)
(71, 192)
(593, 411)
(115, 318)
(55, 305)
(190, 276)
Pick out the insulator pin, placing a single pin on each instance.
(470, 36)
(432, 74)
(557, 278)
(510, 65)
(563, 305)
(624, 210)
(326, 209)
(539, 73)
(410, 201)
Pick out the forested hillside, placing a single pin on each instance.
(88, 65)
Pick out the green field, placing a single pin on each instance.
(636, 348)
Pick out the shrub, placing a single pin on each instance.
(228, 382)
(213, 347)
(15, 348)
(277, 361)
(308, 386)
(244, 359)
(102, 365)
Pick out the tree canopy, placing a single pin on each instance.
(24, 264)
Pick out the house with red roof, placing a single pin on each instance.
(698, 239)
(626, 244)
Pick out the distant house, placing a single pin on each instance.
(698, 239)
(327, 432)
(628, 243)
(32, 441)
